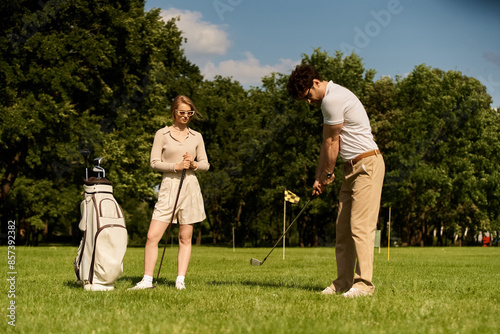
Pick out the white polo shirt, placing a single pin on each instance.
(340, 105)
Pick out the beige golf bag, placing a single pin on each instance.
(99, 261)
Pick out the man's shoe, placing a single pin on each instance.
(328, 291)
(180, 285)
(142, 285)
(355, 292)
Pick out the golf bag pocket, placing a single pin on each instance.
(108, 208)
(110, 248)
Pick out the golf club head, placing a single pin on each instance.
(97, 161)
(99, 170)
(85, 153)
(255, 262)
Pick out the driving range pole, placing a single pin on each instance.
(284, 225)
(389, 236)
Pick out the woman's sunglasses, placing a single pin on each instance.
(185, 112)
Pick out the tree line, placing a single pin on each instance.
(100, 76)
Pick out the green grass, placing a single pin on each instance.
(420, 290)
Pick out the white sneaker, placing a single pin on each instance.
(180, 285)
(328, 291)
(142, 285)
(355, 292)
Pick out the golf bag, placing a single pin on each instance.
(99, 261)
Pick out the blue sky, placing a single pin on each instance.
(248, 39)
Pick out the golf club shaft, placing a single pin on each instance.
(303, 208)
(171, 221)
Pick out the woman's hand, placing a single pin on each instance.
(189, 158)
(184, 164)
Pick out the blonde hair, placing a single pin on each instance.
(181, 99)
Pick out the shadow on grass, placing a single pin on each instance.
(306, 287)
(168, 282)
(72, 285)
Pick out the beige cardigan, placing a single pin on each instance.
(167, 151)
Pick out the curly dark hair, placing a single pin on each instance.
(301, 80)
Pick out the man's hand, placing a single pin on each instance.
(320, 185)
(318, 188)
(326, 178)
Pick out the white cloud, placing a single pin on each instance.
(204, 39)
(247, 71)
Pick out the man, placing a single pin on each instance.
(346, 130)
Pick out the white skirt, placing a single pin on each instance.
(190, 207)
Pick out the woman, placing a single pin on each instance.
(176, 148)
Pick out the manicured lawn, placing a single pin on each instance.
(420, 290)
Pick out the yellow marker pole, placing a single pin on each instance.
(389, 236)
(284, 226)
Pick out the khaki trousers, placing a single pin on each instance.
(359, 204)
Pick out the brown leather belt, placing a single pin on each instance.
(361, 156)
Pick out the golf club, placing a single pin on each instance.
(255, 262)
(98, 169)
(85, 153)
(170, 225)
(97, 161)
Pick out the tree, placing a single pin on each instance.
(82, 74)
(228, 124)
(88, 74)
(286, 148)
(433, 164)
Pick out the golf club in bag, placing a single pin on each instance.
(99, 261)
(170, 225)
(86, 153)
(255, 262)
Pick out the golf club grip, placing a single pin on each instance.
(171, 221)
(182, 181)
